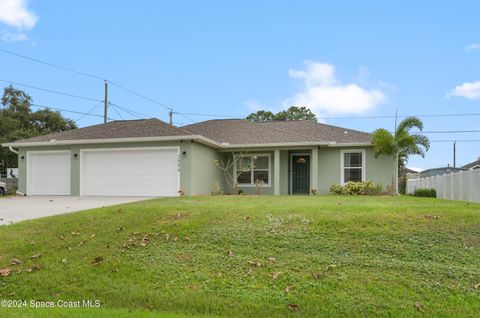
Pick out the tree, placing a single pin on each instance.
(234, 167)
(292, 113)
(261, 116)
(401, 144)
(17, 121)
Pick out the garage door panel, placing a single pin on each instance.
(130, 172)
(48, 173)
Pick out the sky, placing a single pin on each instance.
(224, 58)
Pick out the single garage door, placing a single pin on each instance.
(130, 172)
(48, 173)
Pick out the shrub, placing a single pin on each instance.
(216, 188)
(357, 188)
(424, 192)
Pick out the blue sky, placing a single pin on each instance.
(341, 58)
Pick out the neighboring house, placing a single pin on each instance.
(439, 171)
(406, 171)
(151, 158)
(473, 165)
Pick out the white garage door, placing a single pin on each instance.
(48, 173)
(130, 172)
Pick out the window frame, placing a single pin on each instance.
(342, 164)
(252, 182)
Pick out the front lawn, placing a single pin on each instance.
(250, 256)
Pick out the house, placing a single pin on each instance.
(148, 157)
(473, 165)
(439, 171)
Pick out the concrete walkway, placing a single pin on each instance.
(17, 208)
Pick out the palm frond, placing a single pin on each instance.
(409, 123)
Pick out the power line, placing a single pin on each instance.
(456, 140)
(52, 65)
(185, 115)
(141, 95)
(102, 78)
(205, 115)
(51, 91)
(130, 112)
(447, 132)
(67, 110)
(116, 111)
(87, 113)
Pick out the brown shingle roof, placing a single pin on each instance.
(242, 132)
(227, 132)
(116, 129)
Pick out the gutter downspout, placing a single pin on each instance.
(12, 150)
(16, 152)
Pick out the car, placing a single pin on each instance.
(3, 188)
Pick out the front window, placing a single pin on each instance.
(253, 168)
(353, 166)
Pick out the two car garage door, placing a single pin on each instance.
(106, 172)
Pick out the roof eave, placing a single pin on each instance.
(297, 144)
(53, 142)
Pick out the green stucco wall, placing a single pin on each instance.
(204, 173)
(198, 171)
(185, 162)
(327, 171)
(378, 170)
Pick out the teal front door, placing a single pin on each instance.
(300, 174)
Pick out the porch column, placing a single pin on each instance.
(314, 170)
(276, 172)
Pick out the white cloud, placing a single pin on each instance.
(324, 94)
(14, 13)
(472, 47)
(468, 90)
(13, 37)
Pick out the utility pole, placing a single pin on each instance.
(171, 117)
(396, 157)
(105, 111)
(455, 154)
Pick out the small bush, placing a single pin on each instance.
(424, 192)
(357, 188)
(216, 188)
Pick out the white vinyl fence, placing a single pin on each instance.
(463, 185)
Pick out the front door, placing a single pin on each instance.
(300, 174)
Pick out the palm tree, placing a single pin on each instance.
(401, 144)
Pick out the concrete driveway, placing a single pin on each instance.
(17, 208)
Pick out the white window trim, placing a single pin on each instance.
(342, 163)
(249, 185)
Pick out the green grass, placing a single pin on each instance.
(338, 256)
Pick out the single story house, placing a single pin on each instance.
(149, 157)
(473, 165)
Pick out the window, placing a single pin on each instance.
(252, 168)
(353, 166)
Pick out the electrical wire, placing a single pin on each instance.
(87, 113)
(50, 91)
(116, 111)
(52, 65)
(130, 112)
(67, 110)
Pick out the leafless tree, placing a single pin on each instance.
(234, 167)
